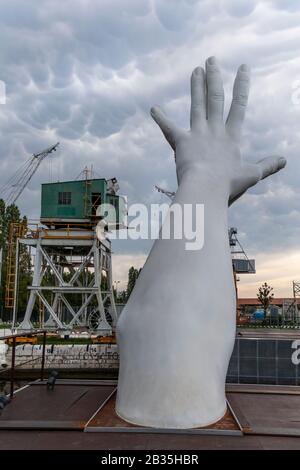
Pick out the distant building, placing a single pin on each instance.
(254, 302)
(285, 310)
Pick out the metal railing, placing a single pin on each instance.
(13, 365)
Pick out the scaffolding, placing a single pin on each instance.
(16, 231)
(296, 289)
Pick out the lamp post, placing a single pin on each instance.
(116, 288)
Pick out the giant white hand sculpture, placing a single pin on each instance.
(176, 333)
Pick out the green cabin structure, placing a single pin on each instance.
(76, 202)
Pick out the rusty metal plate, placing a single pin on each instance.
(107, 420)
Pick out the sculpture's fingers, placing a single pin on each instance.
(239, 102)
(169, 129)
(215, 92)
(270, 165)
(198, 98)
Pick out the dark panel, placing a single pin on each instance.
(266, 348)
(284, 348)
(233, 366)
(248, 366)
(287, 381)
(267, 367)
(286, 368)
(232, 379)
(266, 380)
(248, 347)
(261, 354)
(235, 351)
(248, 379)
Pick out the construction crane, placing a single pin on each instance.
(14, 187)
(240, 261)
(241, 264)
(170, 194)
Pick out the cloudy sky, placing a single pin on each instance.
(86, 72)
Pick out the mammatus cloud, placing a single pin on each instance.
(86, 73)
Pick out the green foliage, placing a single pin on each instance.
(132, 277)
(11, 214)
(123, 296)
(265, 296)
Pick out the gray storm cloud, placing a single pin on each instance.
(86, 73)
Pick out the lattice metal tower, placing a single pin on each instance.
(72, 277)
(75, 264)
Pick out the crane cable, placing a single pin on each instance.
(13, 188)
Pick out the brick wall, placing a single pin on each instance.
(101, 356)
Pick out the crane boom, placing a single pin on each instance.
(170, 194)
(12, 190)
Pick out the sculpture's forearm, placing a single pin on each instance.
(167, 331)
(180, 270)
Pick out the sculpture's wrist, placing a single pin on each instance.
(197, 186)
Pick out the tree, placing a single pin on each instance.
(11, 214)
(122, 296)
(265, 296)
(133, 274)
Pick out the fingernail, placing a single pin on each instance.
(282, 162)
(244, 68)
(198, 71)
(212, 60)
